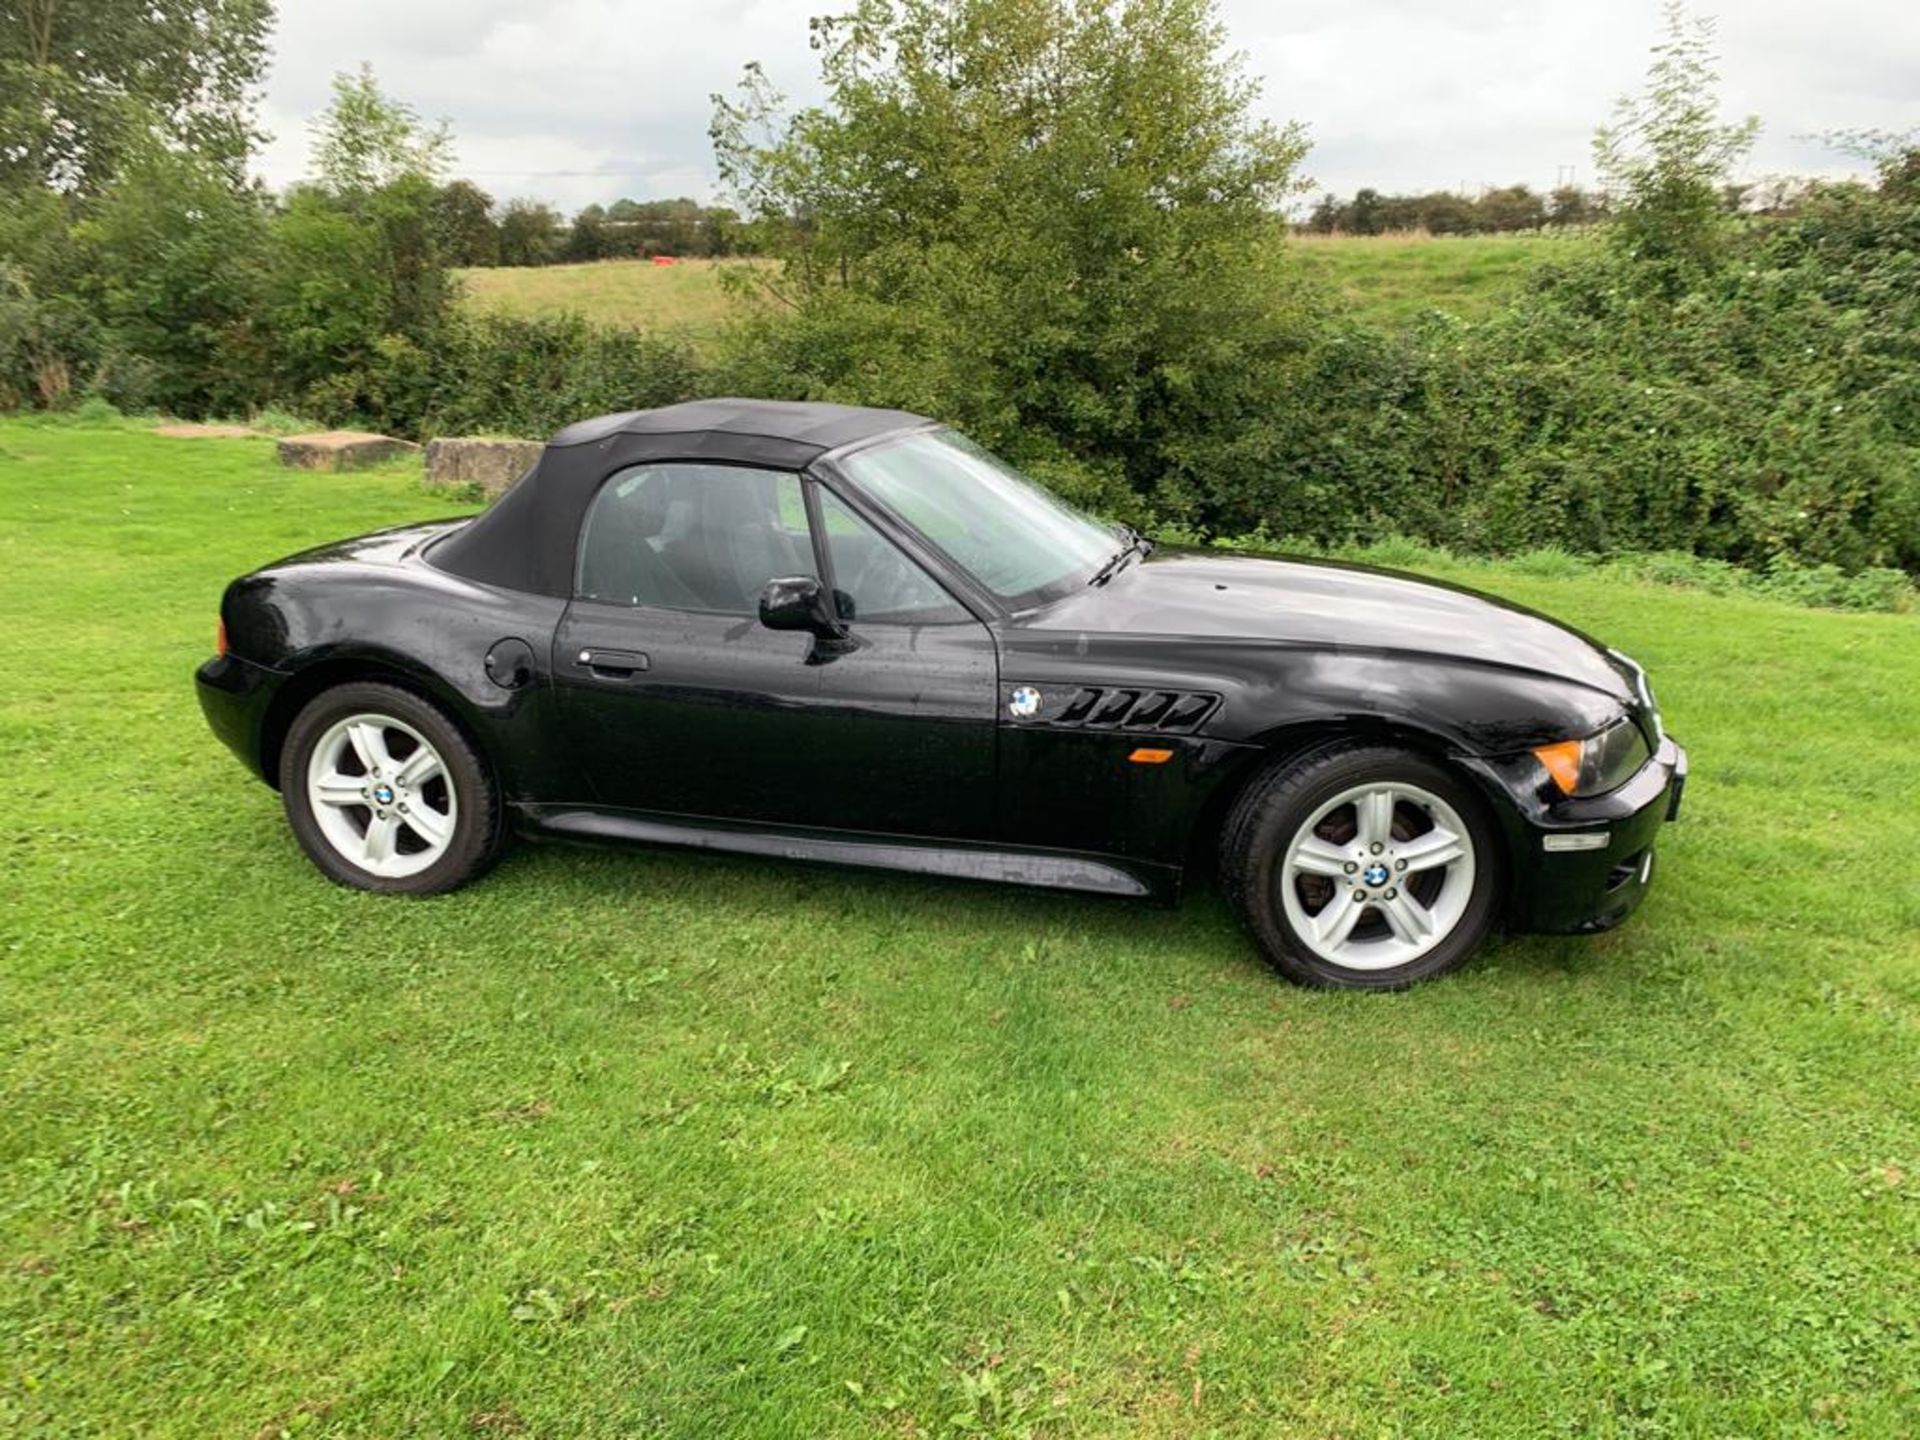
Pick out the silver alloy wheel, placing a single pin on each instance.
(1377, 876)
(382, 795)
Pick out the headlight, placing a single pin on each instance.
(1598, 763)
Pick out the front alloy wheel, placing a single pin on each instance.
(1377, 876)
(385, 792)
(1361, 866)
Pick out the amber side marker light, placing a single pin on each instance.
(220, 636)
(1563, 763)
(1145, 756)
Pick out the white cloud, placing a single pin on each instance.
(582, 100)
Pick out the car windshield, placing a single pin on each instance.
(1006, 531)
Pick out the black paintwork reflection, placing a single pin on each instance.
(898, 736)
(736, 721)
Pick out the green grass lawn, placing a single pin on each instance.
(654, 1144)
(1384, 279)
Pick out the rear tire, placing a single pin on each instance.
(386, 794)
(1362, 866)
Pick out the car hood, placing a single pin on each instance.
(1323, 604)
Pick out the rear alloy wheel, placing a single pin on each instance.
(1362, 867)
(381, 795)
(385, 793)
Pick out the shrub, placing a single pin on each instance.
(175, 263)
(517, 376)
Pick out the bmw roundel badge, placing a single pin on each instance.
(1375, 874)
(1025, 703)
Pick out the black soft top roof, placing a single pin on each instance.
(526, 540)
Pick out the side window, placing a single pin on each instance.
(873, 580)
(693, 537)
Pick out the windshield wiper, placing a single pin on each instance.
(1136, 544)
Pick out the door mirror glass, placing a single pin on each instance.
(799, 602)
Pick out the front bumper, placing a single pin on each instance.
(234, 696)
(1560, 890)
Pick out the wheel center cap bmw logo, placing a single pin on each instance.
(1375, 874)
(383, 794)
(1024, 703)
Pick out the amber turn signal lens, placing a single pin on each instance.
(1563, 763)
(220, 636)
(1144, 756)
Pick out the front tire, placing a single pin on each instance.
(1361, 866)
(385, 793)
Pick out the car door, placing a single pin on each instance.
(912, 694)
(676, 700)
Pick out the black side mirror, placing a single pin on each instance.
(799, 602)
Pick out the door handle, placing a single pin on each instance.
(613, 664)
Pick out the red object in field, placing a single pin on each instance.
(666, 260)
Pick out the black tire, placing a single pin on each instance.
(1277, 803)
(478, 832)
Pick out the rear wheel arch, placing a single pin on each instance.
(324, 675)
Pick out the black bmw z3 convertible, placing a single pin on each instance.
(851, 635)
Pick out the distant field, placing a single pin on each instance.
(1387, 279)
(687, 297)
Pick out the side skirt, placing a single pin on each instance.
(1046, 869)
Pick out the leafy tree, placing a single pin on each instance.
(1443, 213)
(419, 289)
(1569, 205)
(1324, 218)
(326, 304)
(1364, 216)
(366, 140)
(463, 225)
(358, 285)
(529, 233)
(84, 81)
(1667, 154)
(589, 238)
(1054, 220)
(1894, 155)
(1512, 207)
(50, 336)
(721, 233)
(680, 226)
(1506, 208)
(175, 262)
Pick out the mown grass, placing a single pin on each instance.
(1383, 279)
(621, 1144)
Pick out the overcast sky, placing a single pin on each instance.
(573, 101)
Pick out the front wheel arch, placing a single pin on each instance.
(1285, 744)
(1281, 795)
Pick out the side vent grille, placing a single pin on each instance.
(1165, 710)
